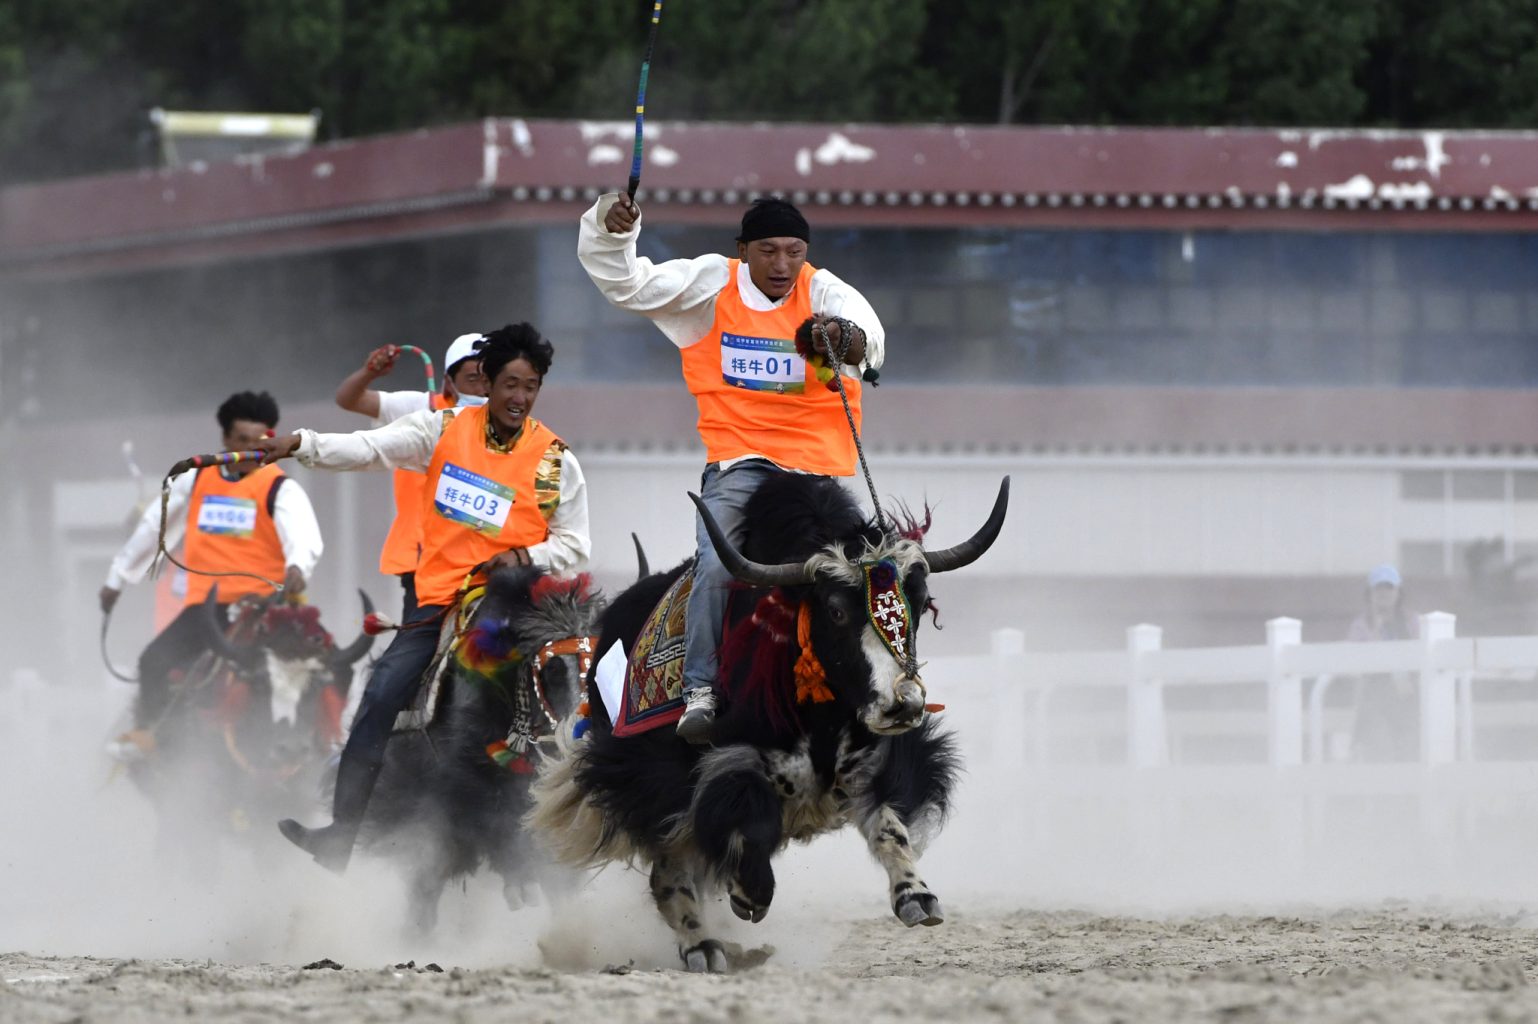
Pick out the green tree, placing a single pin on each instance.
(830, 60)
(1473, 63)
(291, 52)
(14, 89)
(1298, 61)
(77, 78)
(1061, 61)
(541, 59)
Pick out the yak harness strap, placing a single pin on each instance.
(512, 753)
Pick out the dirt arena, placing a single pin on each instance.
(1381, 965)
(1064, 920)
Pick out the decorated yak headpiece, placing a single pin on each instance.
(879, 571)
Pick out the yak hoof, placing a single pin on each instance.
(708, 957)
(919, 908)
(747, 909)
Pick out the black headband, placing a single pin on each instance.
(773, 218)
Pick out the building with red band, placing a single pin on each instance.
(1229, 370)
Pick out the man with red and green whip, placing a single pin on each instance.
(751, 332)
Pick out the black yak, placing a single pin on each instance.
(452, 793)
(823, 721)
(248, 724)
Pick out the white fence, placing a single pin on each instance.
(1296, 678)
(1160, 775)
(1094, 776)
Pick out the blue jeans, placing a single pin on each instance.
(726, 495)
(391, 687)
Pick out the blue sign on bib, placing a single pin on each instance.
(474, 500)
(229, 517)
(762, 364)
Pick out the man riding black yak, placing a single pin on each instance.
(241, 695)
(502, 491)
(242, 518)
(811, 697)
(760, 373)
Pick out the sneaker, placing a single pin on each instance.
(699, 715)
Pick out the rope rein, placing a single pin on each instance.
(118, 674)
(846, 333)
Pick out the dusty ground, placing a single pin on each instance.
(1383, 965)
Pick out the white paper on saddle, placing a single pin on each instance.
(610, 678)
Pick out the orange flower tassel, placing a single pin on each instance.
(811, 679)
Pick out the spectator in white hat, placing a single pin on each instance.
(463, 385)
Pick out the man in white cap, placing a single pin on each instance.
(463, 385)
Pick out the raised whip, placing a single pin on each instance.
(640, 101)
(427, 363)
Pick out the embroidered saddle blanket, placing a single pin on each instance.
(654, 674)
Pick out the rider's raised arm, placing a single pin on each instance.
(298, 529)
(354, 393)
(405, 444)
(566, 550)
(832, 297)
(139, 550)
(678, 295)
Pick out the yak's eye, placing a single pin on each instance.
(838, 613)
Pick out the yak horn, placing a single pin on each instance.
(971, 549)
(218, 638)
(788, 574)
(359, 647)
(643, 568)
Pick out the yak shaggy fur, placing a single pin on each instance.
(443, 807)
(708, 818)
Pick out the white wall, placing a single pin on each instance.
(1117, 516)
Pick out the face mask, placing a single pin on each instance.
(470, 401)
